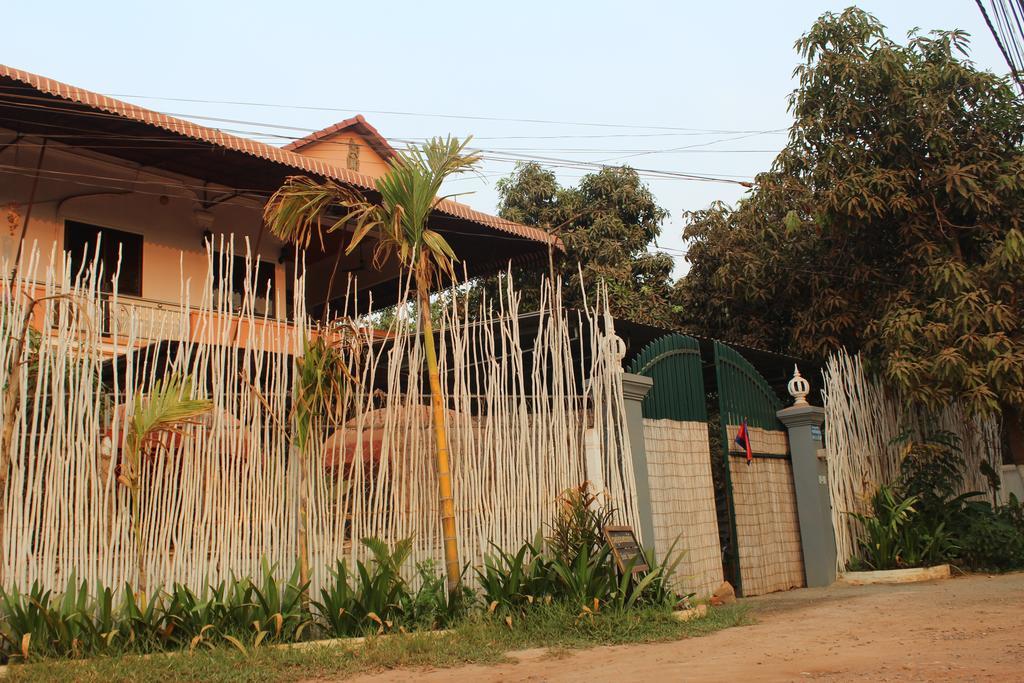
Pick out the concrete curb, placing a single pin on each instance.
(895, 576)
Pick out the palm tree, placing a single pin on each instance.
(157, 419)
(409, 193)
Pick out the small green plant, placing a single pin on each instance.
(510, 582)
(898, 535)
(883, 530)
(197, 620)
(32, 623)
(372, 599)
(156, 419)
(578, 525)
(277, 609)
(588, 580)
(931, 469)
(68, 624)
(143, 622)
(431, 606)
(922, 519)
(655, 588)
(322, 387)
(991, 538)
(573, 566)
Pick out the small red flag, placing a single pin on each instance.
(743, 441)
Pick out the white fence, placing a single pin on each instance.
(226, 495)
(864, 420)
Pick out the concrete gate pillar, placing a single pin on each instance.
(810, 478)
(634, 389)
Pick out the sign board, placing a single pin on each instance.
(816, 432)
(626, 548)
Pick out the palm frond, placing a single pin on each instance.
(304, 208)
(298, 211)
(164, 410)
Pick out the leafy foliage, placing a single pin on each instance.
(891, 222)
(161, 414)
(992, 538)
(273, 611)
(897, 535)
(511, 582)
(375, 598)
(399, 223)
(578, 524)
(607, 224)
(931, 469)
(370, 600)
(322, 386)
(572, 566)
(923, 521)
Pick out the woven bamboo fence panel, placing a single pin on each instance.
(864, 420)
(683, 501)
(764, 505)
(223, 497)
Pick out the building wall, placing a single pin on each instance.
(80, 186)
(683, 501)
(334, 148)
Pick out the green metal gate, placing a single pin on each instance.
(673, 362)
(762, 553)
(745, 396)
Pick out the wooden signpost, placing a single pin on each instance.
(626, 549)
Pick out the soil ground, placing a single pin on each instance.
(963, 629)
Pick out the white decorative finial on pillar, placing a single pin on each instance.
(616, 347)
(798, 388)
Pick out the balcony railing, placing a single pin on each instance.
(134, 320)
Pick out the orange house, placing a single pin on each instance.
(77, 168)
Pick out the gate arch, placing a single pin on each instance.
(673, 362)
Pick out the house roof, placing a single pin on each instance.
(357, 124)
(105, 119)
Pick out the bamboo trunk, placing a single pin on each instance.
(12, 397)
(140, 548)
(453, 569)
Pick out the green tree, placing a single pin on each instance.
(890, 223)
(607, 224)
(409, 191)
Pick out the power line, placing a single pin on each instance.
(468, 117)
(700, 144)
(507, 157)
(1008, 31)
(18, 95)
(47, 104)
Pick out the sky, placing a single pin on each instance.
(592, 81)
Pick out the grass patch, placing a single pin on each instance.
(477, 640)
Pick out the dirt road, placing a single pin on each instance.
(964, 629)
